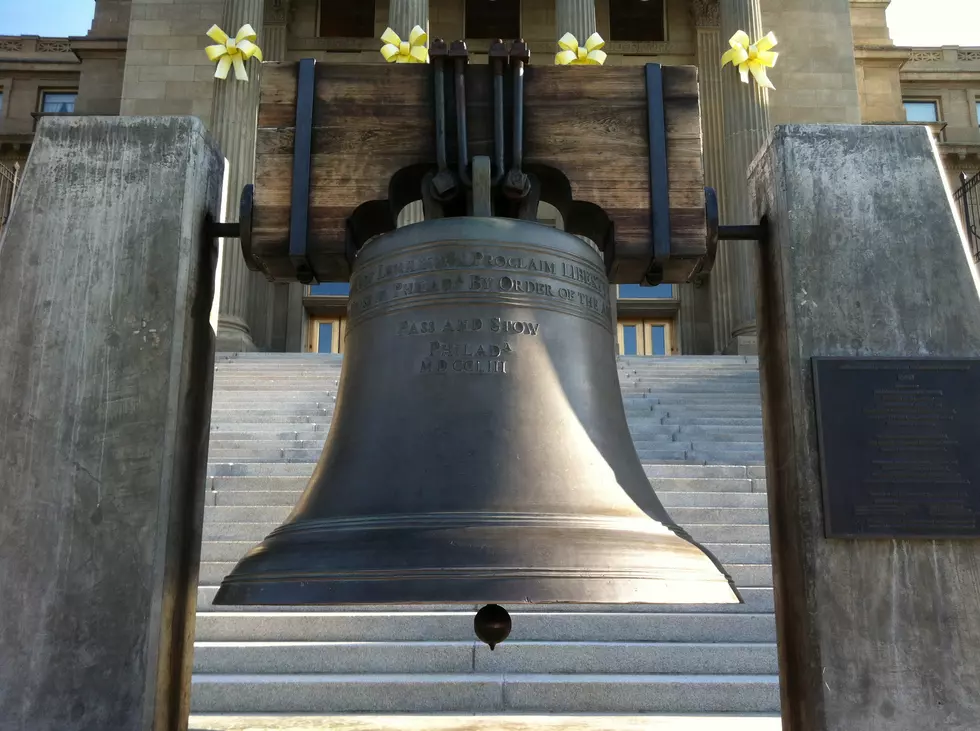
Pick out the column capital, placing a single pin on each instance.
(276, 12)
(706, 13)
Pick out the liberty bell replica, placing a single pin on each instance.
(479, 451)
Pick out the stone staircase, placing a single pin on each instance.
(697, 425)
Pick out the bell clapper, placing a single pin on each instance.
(492, 624)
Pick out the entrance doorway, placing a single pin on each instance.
(646, 337)
(326, 335)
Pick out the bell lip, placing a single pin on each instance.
(522, 591)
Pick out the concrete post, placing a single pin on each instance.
(746, 124)
(873, 634)
(576, 17)
(234, 116)
(106, 361)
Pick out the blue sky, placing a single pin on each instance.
(912, 22)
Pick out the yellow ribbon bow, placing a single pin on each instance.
(752, 58)
(232, 51)
(413, 50)
(572, 54)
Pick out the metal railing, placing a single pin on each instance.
(968, 200)
(8, 189)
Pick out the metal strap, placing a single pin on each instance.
(299, 213)
(659, 195)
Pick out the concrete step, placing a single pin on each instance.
(487, 693)
(652, 452)
(564, 658)
(735, 553)
(233, 418)
(247, 469)
(756, 600)
(760, 574)
(686, 499)
(713, 419)
(540, 626)
(275, 514)
(716, 533)
(660, 484)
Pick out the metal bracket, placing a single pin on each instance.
(517, 186)
(499, 56)
(758, 233)
(461, 57)
(299, 212)
(442, 186)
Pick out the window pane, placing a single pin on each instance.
(635, 20)
(339, 19)
(58, 102)
(334, 289)
(1, 101)
(629, 339)
(978, 112)
(494, 19)
(921, 111)
(638, 291)
(325, 338)
(658, 337)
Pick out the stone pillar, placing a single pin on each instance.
(576, 17)
(873, 634)
(403, 15)
(746, 125)
(234, 117)
(701, 317)
(269, 308)
(106, 362)
(276, 30)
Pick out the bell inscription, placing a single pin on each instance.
(898, 446)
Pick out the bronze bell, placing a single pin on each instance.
(479, 451)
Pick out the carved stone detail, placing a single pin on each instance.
(276, 12)
(706, 13)
(53, 47)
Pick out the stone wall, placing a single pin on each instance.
(815, 77)
(167, 71)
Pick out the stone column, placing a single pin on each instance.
(746, 125)
(701, 316)
(268, 309)
(234, 115)
(106, 363)
(403, 15)
(576, 17)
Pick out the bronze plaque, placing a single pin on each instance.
(899, 442)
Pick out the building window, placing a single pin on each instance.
(1, 100)
(640, 292)
(493, 19)
(921, 111)
(646, 337)
(978, 113)
(58, 102)
(637, 20)
(346, 19)
(327, 336)
(330, 289)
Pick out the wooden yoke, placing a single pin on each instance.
(587, 137)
